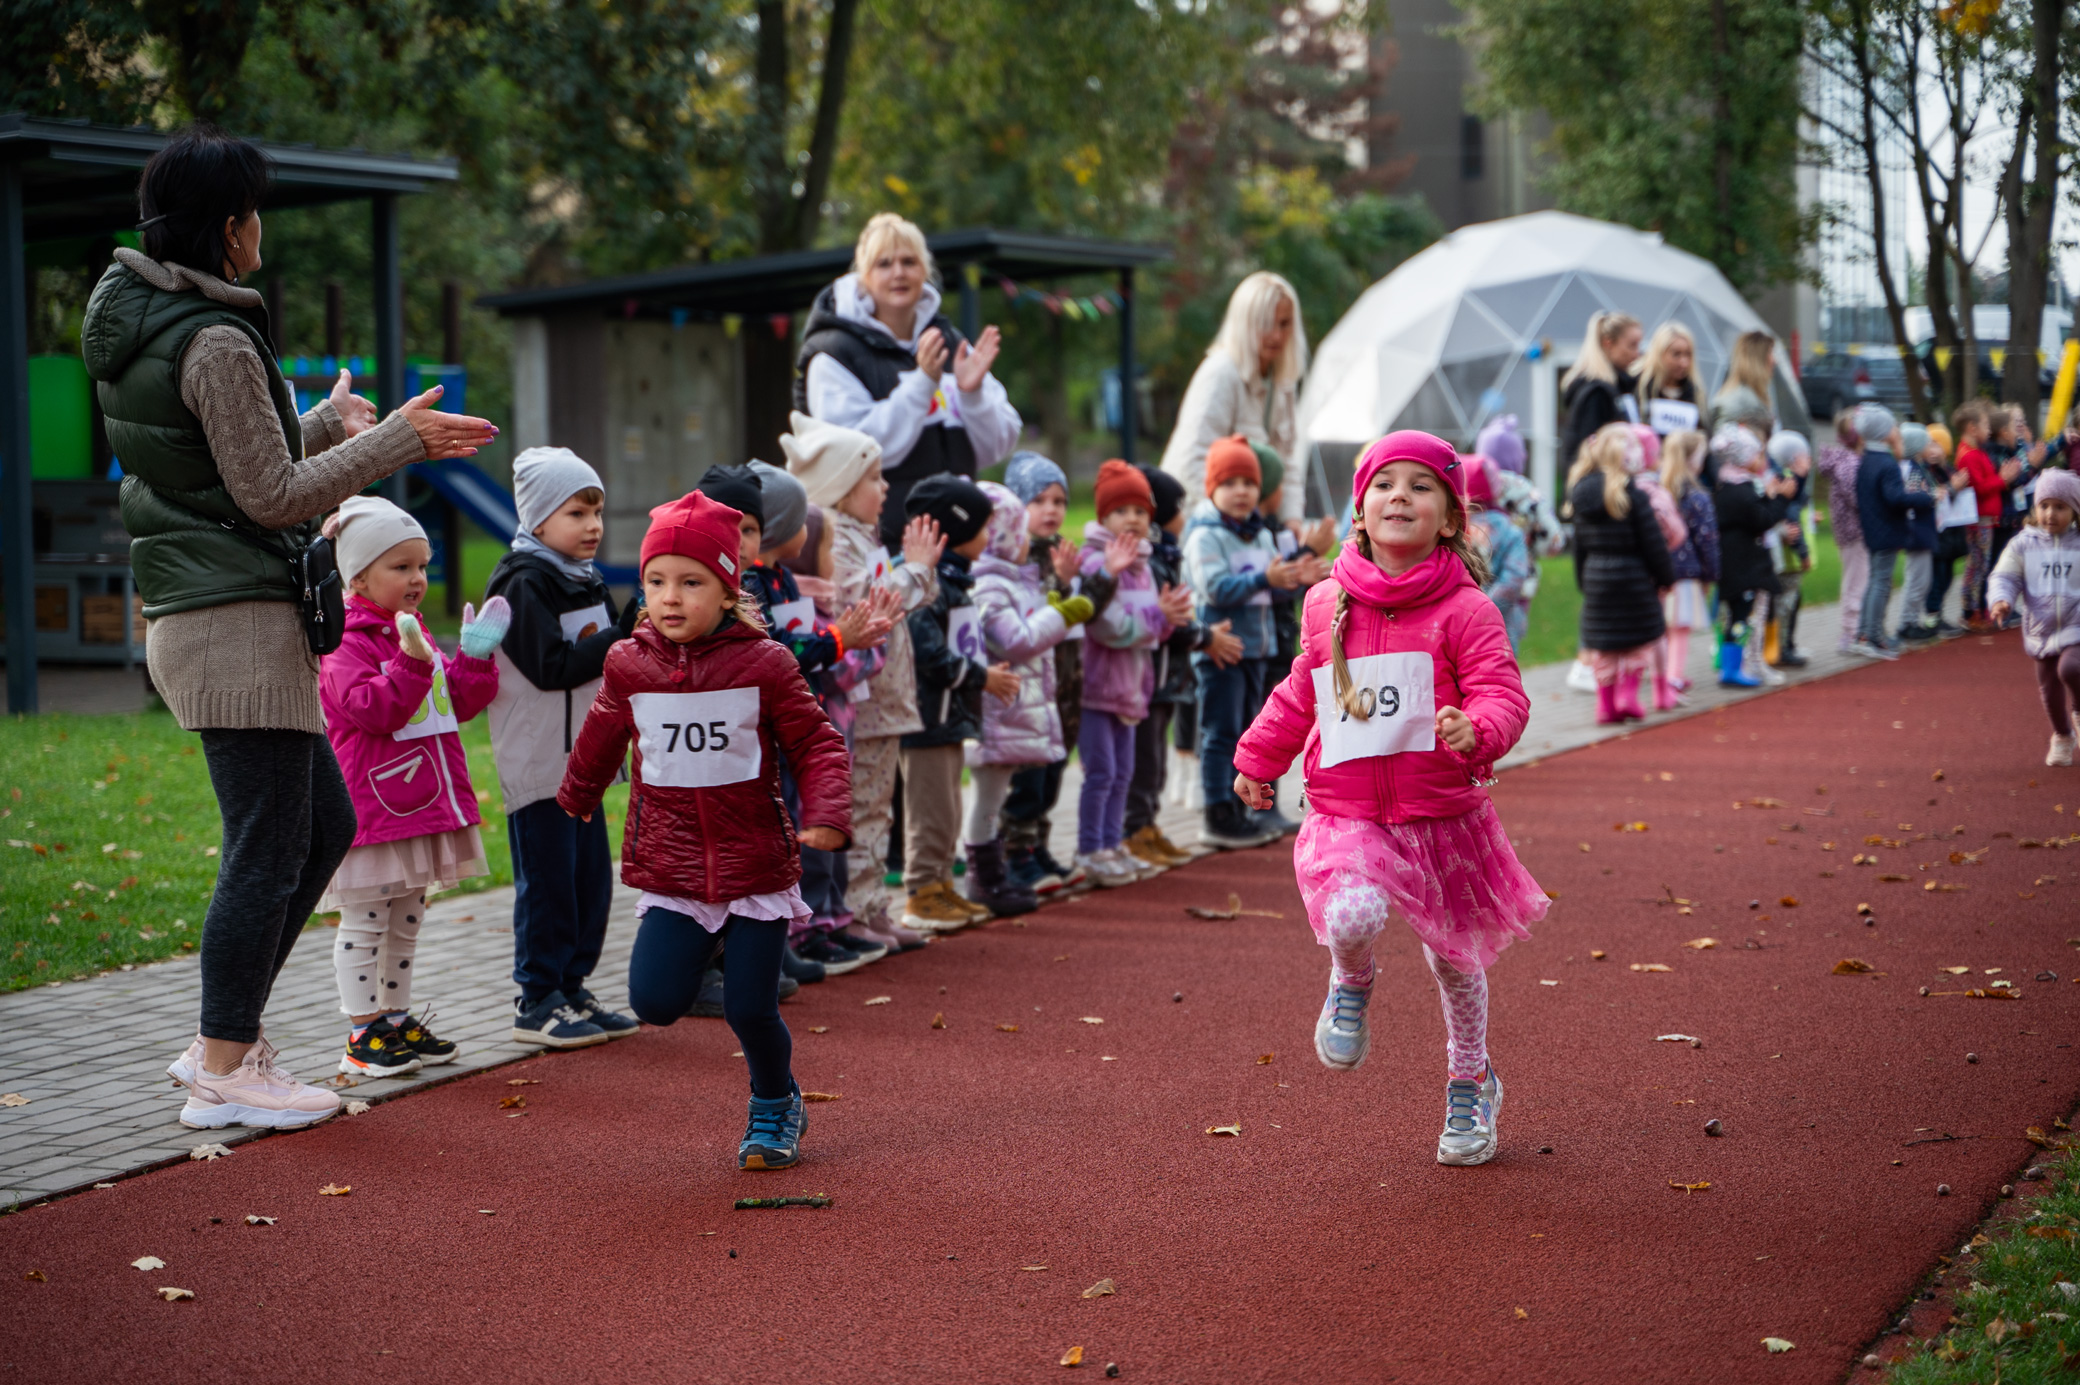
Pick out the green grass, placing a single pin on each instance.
(2013, 1324)
(111, 835)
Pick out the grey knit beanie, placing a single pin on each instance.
(1874, 424)
(786, 504)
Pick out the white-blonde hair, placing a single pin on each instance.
(1608, 450)
(1253, 311)
(1665, 336)
(1594, 363)
(885, 231)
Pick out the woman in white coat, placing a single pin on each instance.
(1249, 383)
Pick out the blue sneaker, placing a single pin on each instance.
(1341, 1039)
(1471, 1112)
(616, 1024)
(552, 1022)
(773, 1134)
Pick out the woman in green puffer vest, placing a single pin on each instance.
(224, 483)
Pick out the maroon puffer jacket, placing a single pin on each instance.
(710, 720)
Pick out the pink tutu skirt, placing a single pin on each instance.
(1456, 880)
(385, 870)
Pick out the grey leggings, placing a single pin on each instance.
(287, 825)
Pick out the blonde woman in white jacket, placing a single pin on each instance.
(1249, 383)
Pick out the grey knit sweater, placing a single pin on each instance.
(247, 665)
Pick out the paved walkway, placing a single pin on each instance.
(90, 1055)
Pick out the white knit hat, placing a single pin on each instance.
(828, 460)
(545, 477)
(367, 527)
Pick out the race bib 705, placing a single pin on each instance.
(697, 740)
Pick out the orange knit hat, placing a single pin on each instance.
(1122, 484)
(1230, 458)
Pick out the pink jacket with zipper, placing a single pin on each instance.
(385, 717)
(1435, 609)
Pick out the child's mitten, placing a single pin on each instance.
(412, 637)
(1074, 609)
(482, 631)
(630, 614)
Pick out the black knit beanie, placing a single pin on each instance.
(955, 502)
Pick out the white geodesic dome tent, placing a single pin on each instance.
(1487, 320)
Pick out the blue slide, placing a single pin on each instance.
(490, 505)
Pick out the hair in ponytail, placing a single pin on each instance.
(1459, 543)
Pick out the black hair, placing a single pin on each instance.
(199, 179)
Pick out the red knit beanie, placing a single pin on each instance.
(1122, 484)
(1230, 458)
(696, 527)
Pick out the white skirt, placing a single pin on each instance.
(1684, 608)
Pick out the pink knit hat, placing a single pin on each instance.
(1409, 446)
(2060, 484)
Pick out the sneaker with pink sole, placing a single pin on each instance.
(258, 1093)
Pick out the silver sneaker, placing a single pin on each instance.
(1341, 1038)
(1471, 1111)
(2061, 752)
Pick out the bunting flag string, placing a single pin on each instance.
(1075, 309)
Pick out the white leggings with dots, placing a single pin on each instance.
(373, 957)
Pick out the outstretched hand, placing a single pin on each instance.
(1068, 562)
(356, 414)
(1121, 553)
(446, 435)
(971, 363)
(923, 542)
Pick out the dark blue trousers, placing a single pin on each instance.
(664, 977)
(1229, 699)
(563, 883)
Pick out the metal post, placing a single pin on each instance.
(17, 531)
(389, 321)
(971, 301)
(1127, 428)
(451, 514)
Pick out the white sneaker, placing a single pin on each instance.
(1472, 1111)
(2061, 752)
(260, 1092)
(1107, 870)
(182, 1069)
(1581, 677)
(1341, 1036)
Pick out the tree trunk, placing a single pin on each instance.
(772, 177)
(823, 140)
(1895, 310)
(2029, 206)
(1722, 130)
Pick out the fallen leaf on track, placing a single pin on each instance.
(1943, 887)
(1778, 1344)
(939, 1020)
(357, 1108)
(2037, 1136)
(1092, 1019)
(1701, 944)
(1651, 966)
(1955, 971)
(335, 1190)
(36, 1277)
(1689, 1188)
(1758, 803)
(1235, 1129)
(1548, 983)
(1675, 1038)
(14, 1099)
(1263, 1058)
(819, 1029)
(1007, 1029)
(148, 1262)
(208, 1152)
(822, 1096)
(172, 1295)
(1852, 966)
(1597, 954)
(1073, 1356)
(880, 1000)
(523, 1081)
(1033, 1269)
(1233, 911)
(1101, 1289)
(1789, 901)
(1521, 1314)
(260, 1221)
(509, 1103)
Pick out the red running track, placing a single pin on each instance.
(1324, 1242)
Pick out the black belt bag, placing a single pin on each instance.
(321, 596)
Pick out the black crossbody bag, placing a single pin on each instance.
(321, 596)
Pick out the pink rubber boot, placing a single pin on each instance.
(1607, 713)
(1627, 697)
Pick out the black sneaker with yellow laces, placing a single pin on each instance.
(431, 1048)
(376, 1049)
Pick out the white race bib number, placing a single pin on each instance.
(964, 633)
(2052, 576)
(1667, 416)
(1399, 692)
(1251, 560)
(1142, 606)
(578, 625)
(436, 713)
(1288, 545)
(697, 740)
(795, 618)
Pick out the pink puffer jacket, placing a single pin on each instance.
(393, 729)
(1433, 609)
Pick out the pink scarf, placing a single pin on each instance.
(1436, 577)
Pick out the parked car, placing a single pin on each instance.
(1838, 379)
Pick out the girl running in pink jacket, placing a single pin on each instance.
(1403, 697)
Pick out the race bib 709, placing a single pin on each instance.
(697, 740)
(1398, 693)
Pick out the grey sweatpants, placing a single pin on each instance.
(287, 825)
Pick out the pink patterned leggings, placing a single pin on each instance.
(1357, 914)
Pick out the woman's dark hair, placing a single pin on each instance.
(197, 180)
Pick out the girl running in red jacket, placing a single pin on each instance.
(1403, 697)
(712, 706)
